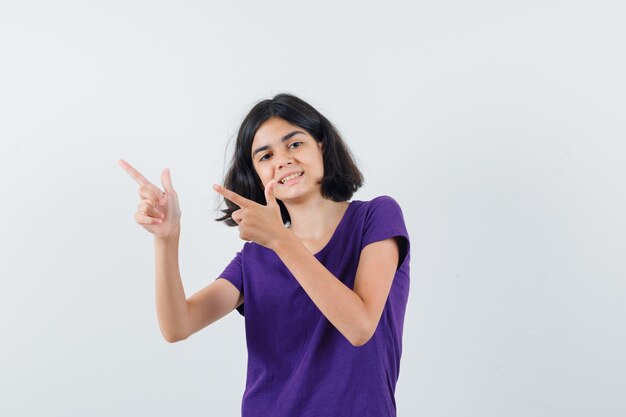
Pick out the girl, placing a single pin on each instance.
(322, 282)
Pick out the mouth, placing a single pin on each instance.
(290, 178)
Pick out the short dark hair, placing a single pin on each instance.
(341, 175)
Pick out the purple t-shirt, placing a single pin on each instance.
(299, 364)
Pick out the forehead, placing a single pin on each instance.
(273, 130)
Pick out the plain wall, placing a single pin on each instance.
(497, 126)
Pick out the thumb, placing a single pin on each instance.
(269, 194)
(166, 180)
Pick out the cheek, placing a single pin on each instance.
(320, 163)
(266, 175)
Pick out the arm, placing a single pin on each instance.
(172, 311)
(159, 213)
(179, 317)
(355, 314)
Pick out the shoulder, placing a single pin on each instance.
(384, 200)
(383, 219)
(382, 212)
(382, 204)
(379, 213)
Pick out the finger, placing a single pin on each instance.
(150, 208)
(140, 179)
(237, 216)
(232, 196)
(166, 180)
(155, 211)
(242, 235)
(270, 198)
(153, 193)
(143, 219)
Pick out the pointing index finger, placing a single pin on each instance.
(232, 196)
(140, 179)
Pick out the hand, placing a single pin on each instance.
(257, 223)
(158, 212)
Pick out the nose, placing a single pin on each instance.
(283, 159)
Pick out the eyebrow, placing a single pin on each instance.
(283, 139)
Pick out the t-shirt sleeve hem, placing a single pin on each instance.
(233, 273)
(387, 227)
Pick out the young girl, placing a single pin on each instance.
(322, 282)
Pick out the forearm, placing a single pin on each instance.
(338, 303)
(171, 302)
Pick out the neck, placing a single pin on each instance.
(313, 218)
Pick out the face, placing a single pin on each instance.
(288, 153)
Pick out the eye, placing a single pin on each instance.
(263, 158)
(295, 144)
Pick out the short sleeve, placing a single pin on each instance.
(233, 273)
(384, 220)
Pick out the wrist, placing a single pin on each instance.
(282, 240)
(172, 237)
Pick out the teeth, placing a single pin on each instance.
(284, 180)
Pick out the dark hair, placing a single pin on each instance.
(341, 175)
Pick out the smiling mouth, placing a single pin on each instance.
(290, 178)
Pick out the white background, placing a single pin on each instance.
(497, 125)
